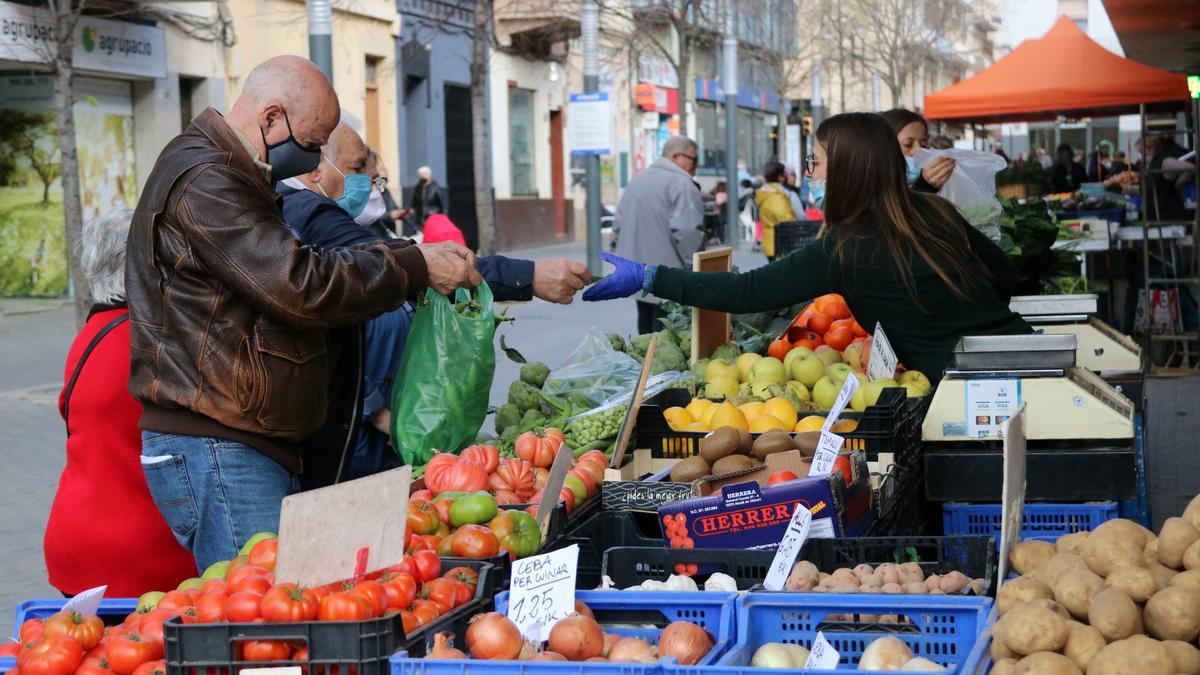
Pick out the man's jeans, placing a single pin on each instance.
(214, 494)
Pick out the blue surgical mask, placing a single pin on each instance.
(911, 172)
(356, 192)
(816, 190)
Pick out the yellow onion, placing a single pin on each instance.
(631, 650)
(686, 642)
(443, 647)
(492, 636)
(576, 637)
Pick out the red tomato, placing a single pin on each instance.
(127, 652)
(158, 667)
(31, 630)
(442, 506)
(474, 541)
(440, 591)
(287, 602)
(243, 607)
(210, 608)
(374, 593)
(263, 554)
(428, 565)
(343, 606)
(401, 589)
(86, 629)
(406, 565)
(445, 548)
(94, 666)
(265, 650)
(175, 600)
(781, 477)
(244, 571)
(213, 585)
(190, 615)
(50, 655)
(462, 592)
(151, 624)
(842, 463)
(410, 621)
(10, 649)
(464, 574)
(422, 517)
(425, 611)
(256, 583)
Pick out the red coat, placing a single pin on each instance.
(104, 527)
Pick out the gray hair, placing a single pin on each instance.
(102, 254)
(677, 145)
(425, 172)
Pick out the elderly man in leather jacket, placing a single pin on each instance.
(228, 310)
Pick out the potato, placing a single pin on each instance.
(891, 588)
(871, 580)
(1136, 582)
(977, 586)
(885, 653)
(1046, 663)
(1020, 590)
(863, 570)
(1101, 553)
(1125, 529)
(1113, 614)
(999, 651)
(845, 588)
(807, 569)
(1163, 575)
(1075, 590)
(1003, 667)
(1059, 564)
(916, 588)
(1070, 542)
(1189, 578)
(1174, 539)
(1185, 656)
(1191, 557)
(1192, 512)
(910, 571)
(1031, 628)
(1139, 655)
(1083, 643)
(921, 664)
(954, 582)
(1174, 614)
(889, 573)
(1028, 556)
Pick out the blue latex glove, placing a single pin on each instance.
(624, 281)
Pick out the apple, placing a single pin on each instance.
(917, 378)
(217, 570)
(257, 537)
(762, 389)
(854, 355)
(148, 601)
(721, 386)
(799, 389)
(828, 354)
(768, 369)
(838, 372)
(194, 582)
(825, 392)
(796, 354)
(872, 390)
(914, 390)
(858, 400)
(808, 370)
(720, 368)
(743, 364)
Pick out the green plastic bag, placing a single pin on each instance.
(441, 394)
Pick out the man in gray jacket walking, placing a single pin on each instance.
(660, 218)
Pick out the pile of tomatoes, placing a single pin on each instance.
(827, 321)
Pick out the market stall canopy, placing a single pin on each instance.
(1063, 72)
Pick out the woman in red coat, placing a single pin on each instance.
(104, 527)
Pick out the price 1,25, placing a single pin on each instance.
(537, 608)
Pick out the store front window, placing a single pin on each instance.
(520, 134)
(710, 137)
(755, 142)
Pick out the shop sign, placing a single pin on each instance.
(657, 99)
(709, 90)
(758, 99)
(657, 70)
(27, 34)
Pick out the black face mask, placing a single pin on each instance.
(287, 157)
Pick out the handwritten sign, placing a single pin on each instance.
(839, 404)
(822, 656)
(882, 362)
(826, 454)
(789, 548)
(542, 591)
(87, 602)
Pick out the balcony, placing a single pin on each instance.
(537, 29)
(458, 13)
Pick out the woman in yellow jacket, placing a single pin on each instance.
(774, 206)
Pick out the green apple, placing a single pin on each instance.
(914, 390)
(768, 369)
(257, 537)
(148, 601)
(799, 389)
(808, 370)
(761, 389)
(916, 377)
(855, 355)
(825, 392)
(217, 570)
(838, 372)
(194, 582)
(828, 354)
(872, 390)
(721, 386)
(743, 364)
(858, 400)
(720, 368)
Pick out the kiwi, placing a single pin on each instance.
(806, 442)
(732, 463)
(772, 442)
(745, 441)
(688, 470)
(719, 443)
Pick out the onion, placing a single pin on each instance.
(609, 640)
(775, 656)
(598, 659)
(576, 637)
(583, 609)
(631, 650)
(492, 636)
(685, 641)
(528, 651)
(443, 647)
(548, 656)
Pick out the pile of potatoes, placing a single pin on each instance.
(887, 578)
(1114, 601)
(728, 449)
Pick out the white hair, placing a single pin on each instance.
(351, 120)
(677, 145)
(425, 172)
(102, 254)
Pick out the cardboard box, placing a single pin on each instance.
(642, 485)
(740, 511)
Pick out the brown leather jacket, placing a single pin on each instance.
(228, 310)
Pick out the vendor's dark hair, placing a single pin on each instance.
(1064, 147)
(773, 171)
(898, 118)
(868, 197)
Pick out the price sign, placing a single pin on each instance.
(882, 362)
(826, 454)
(87, 602)
(822, 656)
(843, 397)
(789, 548)
(542, 591)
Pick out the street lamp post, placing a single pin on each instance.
(731, 154)
(590, 27)
(320, 36)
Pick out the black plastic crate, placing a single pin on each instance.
(629, 566)
(192, 649)
(974, 556)
(793, 234)
(606, 530)
(900, 510)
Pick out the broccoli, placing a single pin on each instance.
(509, 415)
(617, 342)
(728, 352)
(534, 374)
(524, 396)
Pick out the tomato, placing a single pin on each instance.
(428, 565)
(256, 583)
(473, 509)
(539, 449)
(50, 655)
(442, 506)
(575, 484)
(94, 666)
(406, 565)
(513, 475)
(475, 541)
(504, 497)
(518, 532)
(243, 607)
(150, 627)
(593, 469)
(10, 649)
(410, 621)
(264, 553)
(190, 615)
(462, 592)
(213, 585)
(445, 547)
(779, 348)
(158, 667)
(174, 600)
(486, 456)
(210, 608)
(425, 611)
(442, 592)
(464, 574)
(427, 495)
(86, 629)
(374, 593)
(287, 602)
(343, 606)
(842, 463)
(265, 650)
(401, 589)
(422, 517)
(31, 630)
(781, 477)
(127, 652)
(247, 570)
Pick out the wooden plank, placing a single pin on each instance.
(710, 329)
(634, 405)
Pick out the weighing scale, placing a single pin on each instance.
(1079, 429)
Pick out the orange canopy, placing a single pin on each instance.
(1062, 72)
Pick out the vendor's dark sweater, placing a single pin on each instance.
(923, 337)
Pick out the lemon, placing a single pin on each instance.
(697, 406)
(811, 423)
(695, 426)
(678, 418)
(844, 426)
(782, 410)
(752, 410)
(766, 423)
(726, 415)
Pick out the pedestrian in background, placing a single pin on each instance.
(426, 197)
(660, 217)
(912, 132)
(104, 527)
(1068, 174)
(774, 205)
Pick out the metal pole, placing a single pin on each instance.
(590, 24)
(730, 84)
(320, 36)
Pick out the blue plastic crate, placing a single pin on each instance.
(945, 632)
(979, 661)
(112, 610)
(1048, 520)
(715, 612)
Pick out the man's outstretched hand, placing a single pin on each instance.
(559, 279)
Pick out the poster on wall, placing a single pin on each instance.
(32, 244)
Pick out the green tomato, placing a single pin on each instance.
(575, 485)
(453, 494)
(148, 601)
(217, 570)
(474, 509)
(194, 582)
(518, 532)
(259, 536)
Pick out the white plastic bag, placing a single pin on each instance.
(971, 186)
(594, 371)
